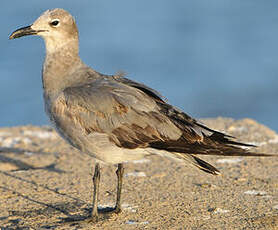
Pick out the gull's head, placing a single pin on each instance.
(56, 26)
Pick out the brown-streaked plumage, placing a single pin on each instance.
(112, 118)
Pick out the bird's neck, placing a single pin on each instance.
(59, 63)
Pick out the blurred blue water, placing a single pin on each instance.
(210, 58)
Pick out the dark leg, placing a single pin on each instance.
(96, 179)
(120, 172)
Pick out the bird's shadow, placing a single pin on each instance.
(20, 165)
(82, 209)
(104, 214)
(76, 206)
(25, 166)
(49, 209)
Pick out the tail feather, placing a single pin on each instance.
(198, 139)
(201, 164)
(187, 151)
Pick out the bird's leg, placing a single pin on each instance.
(119, 172)
(96, 179)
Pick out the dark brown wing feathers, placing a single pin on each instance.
(196, 138)
(210, 142)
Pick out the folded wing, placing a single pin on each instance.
(135, 116)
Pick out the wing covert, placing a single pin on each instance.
(127, 115)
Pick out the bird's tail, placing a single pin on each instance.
(199, 163)
(208, 147)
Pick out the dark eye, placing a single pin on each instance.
(54, 22)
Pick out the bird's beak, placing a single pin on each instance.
(24, 31)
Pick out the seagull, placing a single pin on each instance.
(112, 118)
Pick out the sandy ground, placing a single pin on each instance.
(46, 184)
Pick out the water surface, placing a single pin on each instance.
(210, 58)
